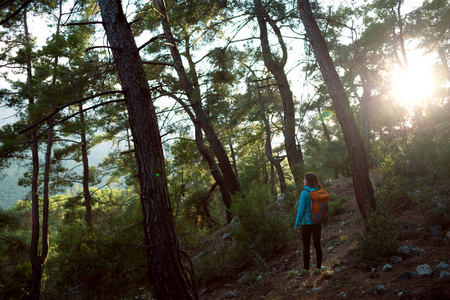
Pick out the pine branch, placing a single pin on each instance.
(16, 12)
(58, 109)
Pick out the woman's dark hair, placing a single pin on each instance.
(312, 180)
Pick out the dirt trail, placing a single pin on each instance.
(346, 276)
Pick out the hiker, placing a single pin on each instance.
(309, 228)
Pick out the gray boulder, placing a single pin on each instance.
(436, 230)
(404, 251)
(396, 259)
(387, 267)
(444, 274)
(424, 270)
(442, 265)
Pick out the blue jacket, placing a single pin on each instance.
(304, 208)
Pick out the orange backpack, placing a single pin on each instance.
(319, 206)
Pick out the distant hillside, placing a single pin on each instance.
(10, 191)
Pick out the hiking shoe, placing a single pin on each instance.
(317, 272)
(304, 273)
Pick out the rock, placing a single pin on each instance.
(411, 225)
(242, 279)
(444, 274)
(230, 294)
(293, 284)
(342, 295)
(367, 291)
(404, 251)
(344, 262)
(436, 230)
(424, 270)
(316, 289)
(422, 252)
(351, 210)
(199, 255)
(442, 265)
(337, 270)
(381, 288)
(226, 236)
(414, 274)
(416, 259)
(373, 270)
(361, 276)
(236, 222)
(387, 267)
(281, 201)
(396, 259)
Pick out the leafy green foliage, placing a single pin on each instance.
(336, 204)
(261, 229)
(14, 251)
(381, 228)
(210, 265)
(101, 260)
(328, 159)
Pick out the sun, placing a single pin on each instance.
(413, 84)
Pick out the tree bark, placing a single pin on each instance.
(193, 93)
(209, 157)
(215, 172)
(357, 154)
(364, 102)
(293, 151)
(37, 261)
(167, 276)
(84, 158)
(268, 144)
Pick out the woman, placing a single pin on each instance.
(309, 227)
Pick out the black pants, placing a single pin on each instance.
(307, 231)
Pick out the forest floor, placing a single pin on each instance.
(345, 274)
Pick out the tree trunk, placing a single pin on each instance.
(209, 157)
(193, 94)
(324, 126)
(364, 102)
(167, 275)
(215, 172)
(37, 265)
(84, 158)
(293, 151)
(357, 154)
(233, 158)
(443, 58)
(268, 145)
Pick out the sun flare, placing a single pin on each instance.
(414, 83)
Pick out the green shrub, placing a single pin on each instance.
(16, 284)
(336, 205)
(434, 202)
(380, 240)
(211, 265)
(261, 229)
